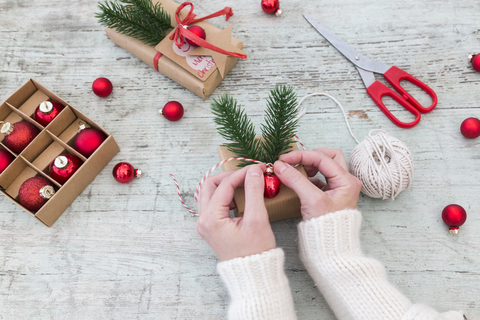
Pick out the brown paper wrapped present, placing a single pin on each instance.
(203, 80)
(285, 205)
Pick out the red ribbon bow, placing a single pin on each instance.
(182, 31)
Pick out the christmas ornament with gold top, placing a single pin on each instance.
(47, 111)
(124, 172)
(88, 140)
(35, 192)
(17, 136)
(64, 167)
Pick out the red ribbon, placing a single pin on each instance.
(155, 60)
(181, 29)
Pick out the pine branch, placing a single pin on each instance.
(234, 125)
(279, 128)
(139, 19)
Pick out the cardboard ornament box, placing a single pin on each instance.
(285, 205)
(199, 74)
(53, 140)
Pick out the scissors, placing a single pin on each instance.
(367, 67)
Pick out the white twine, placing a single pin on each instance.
(381, 162)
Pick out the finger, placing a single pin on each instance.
(335, 174)
(336, 155)
(296, 181)
(223, 195)
(255, 211)
(209, 187)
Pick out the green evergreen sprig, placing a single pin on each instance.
(139, 19)
(278, 132)
(234, 125)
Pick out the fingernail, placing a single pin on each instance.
(254, 172)
(280, 166)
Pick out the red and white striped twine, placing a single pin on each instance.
(209, 172)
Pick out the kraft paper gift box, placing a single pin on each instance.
(285, 205)
(199, 77)
(53, 140)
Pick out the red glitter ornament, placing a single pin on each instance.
(198, 31)
(124, 172)
(272, 184)
(35, 192)
(88, 140)
(271, 6)
(63, 167)
(470, 128)
(18, 135)
(47, 111)
(454, 216)
(102, 87)
(5, 159)
(172, 111)
(474, 59)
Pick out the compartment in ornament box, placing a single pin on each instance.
(285, 205)
(11, 116)
(47, 148)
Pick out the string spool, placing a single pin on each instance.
(381, 162)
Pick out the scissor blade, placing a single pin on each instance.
(351, 54)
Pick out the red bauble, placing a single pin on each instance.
(475, 61)
(35, 192)
(102, 87)
(63, 167)
(5, 159)
(172, 111)
(88, 140)
(198, 31)
(124, 172)
(454, 216)
(47, 111)
(272, 184)
(470, 128)
(271, 6)
(18, 135)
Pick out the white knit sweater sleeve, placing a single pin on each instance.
(355, 287)
(258, 287)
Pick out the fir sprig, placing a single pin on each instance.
(234, 125)
(140, 19)
(280, 125)
(278, 132)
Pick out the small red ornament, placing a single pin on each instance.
(102, 87)
(63, 167)
(124, 172)
(5, 159)
(88, 140)
(35, 192)
(272, 184)
(172, 111)
(474, 59)
(272, 6)
(454, 216)
(198, 31)
(470, 128)
(47, 111)
(18, 135)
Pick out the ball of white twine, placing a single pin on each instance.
(381, 162)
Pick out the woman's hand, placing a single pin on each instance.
(339, 191)
(237, 237)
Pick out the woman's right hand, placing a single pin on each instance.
(339, 191)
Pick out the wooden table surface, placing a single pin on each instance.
(132, 251)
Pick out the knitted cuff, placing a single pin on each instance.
(330, 235)
(424, 312)
(258, 286)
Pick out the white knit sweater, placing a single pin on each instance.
(355, 287)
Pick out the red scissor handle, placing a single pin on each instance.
(378, 90)
(394, 75)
